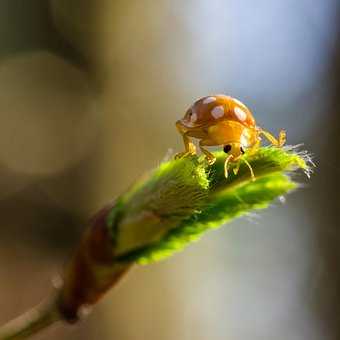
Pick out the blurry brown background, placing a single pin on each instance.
(89, 93)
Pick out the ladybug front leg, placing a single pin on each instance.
(190, 148)
(276, 142)
(208, 155)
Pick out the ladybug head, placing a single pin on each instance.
(235, 150)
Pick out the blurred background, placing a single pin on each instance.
(89, 93)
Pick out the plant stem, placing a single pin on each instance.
(31, 322)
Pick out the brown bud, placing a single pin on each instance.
(92, 270)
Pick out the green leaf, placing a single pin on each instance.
(182, 199)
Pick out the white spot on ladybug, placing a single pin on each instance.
(244, 141)
(240, 114)
(217, 112)
(209, 100)
(193, 118)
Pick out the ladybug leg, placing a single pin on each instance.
(208, 155)
(190, 148)
(189, 145)
(282, 137)
(276, 142)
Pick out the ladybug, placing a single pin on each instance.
(223, 120)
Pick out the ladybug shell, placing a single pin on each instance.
(212, 109)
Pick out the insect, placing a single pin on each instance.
(223, 120)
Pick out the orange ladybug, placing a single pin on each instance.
(223, 120)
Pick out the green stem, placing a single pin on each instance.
(30, 322)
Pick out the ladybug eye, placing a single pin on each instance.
(242, 150)
(227, 148)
